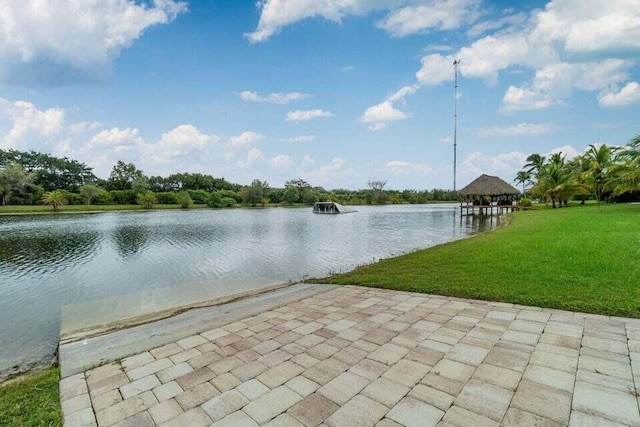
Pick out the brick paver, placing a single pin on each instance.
(355, 356)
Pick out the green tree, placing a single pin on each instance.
(147, 199)
(254, 193)
(556, 182)
(523, 177)
(378, 195)
(123, 176)
(534, 163)
(56, 199)
(185, 199)
(625, 176)
(598, 161)
(13, 178)
(291, 195)
(90, 192)
(49, 172)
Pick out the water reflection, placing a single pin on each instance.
(92, 269)
(55, 250)
(130, 239)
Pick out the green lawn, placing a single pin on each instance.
(581, 258)
(31, 401)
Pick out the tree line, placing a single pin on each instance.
(605, 173)
(31, 178)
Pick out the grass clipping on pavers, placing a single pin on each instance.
(580, 258)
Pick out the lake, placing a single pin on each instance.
(67, 272)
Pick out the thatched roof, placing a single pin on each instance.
(486, 185)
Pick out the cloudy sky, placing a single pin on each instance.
(332, 91)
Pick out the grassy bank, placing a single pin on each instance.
(41, 209)
(31, 401)
(582, 258)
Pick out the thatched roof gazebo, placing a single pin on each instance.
(488, 192)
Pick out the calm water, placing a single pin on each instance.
(73, 271)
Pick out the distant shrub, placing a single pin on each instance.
(124, 197)
(167, 198)
(146, 199)
(72, 198)
(185, 199)
(228, 202)
(215, 201)
(200, 197)
(104, 198)
(525, 202)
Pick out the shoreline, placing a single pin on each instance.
(70, 209)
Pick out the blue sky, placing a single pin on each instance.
(335, 92)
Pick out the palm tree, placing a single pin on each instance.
(523, 177)
(56, 199)
(625, 174)
(598, 161)
(556, 181)
(534, 163)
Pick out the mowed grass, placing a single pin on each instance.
(581, 258)
(31, 401)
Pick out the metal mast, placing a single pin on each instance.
(455, 120)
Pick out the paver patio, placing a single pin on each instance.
(355, 356)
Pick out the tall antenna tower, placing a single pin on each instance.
(455, 120)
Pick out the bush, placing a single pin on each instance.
(310, 197)
(147, 199)
(525, 202)
(167, 198)
(228, 194)
(215, 201)
(72, 198)
(185, 199)
(103, 198)
(124, 197)
(200, 197)
(228, 202)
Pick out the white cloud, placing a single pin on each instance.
(435, 69)
(524, 98)
(184, 142)
(253, 156)
(272, 98)
(332, 172)
(630, 94)
(571, 44)
(401, 168)
(303, 115)
(301, 138)
(277, 14)
(518, 130)
(506, 21)
(592, 26)
(568, 150)
(347, 69)
(377, 115)
(245, 139)
(307, 161)
(504, 165)
(281, 161)
(114, 137)
(434, 14)
(29, 124)
(61, 41)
